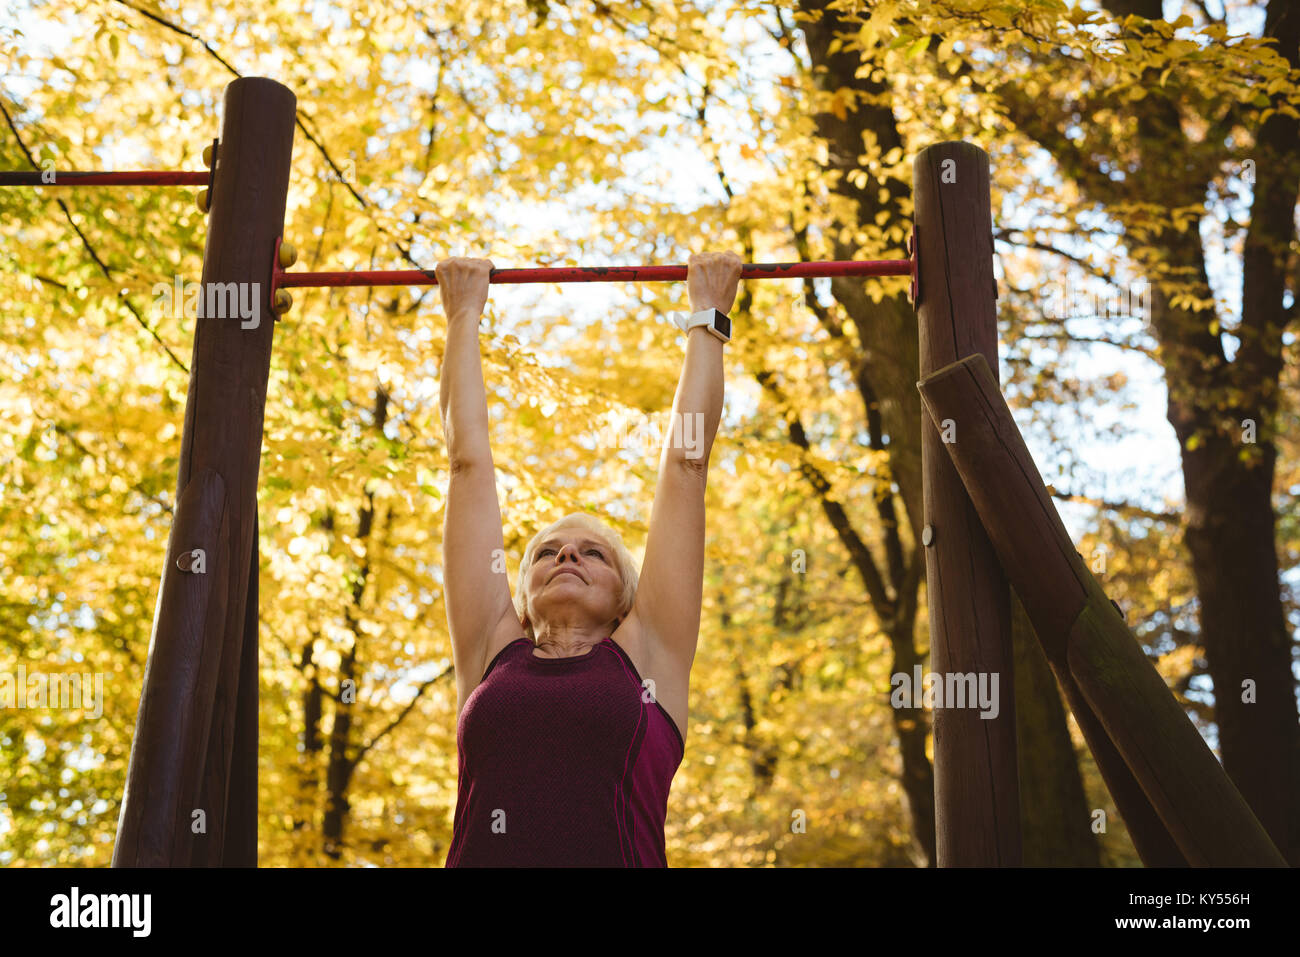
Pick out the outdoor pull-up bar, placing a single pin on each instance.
(423, 277)
(285, 255)
(139, 177)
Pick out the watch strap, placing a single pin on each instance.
(715, 320)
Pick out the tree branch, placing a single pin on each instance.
(404, 712)
(1124, 508)
(1005, 236)
(1099, 340)
(67, 215)
(886, 605)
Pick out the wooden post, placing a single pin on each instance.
(1148, 833)
(1083, 634)
(977, 801)
(195, 746)
(240, 846)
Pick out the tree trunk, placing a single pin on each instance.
(1228, 478)
(913, 727)
(887, 352)
(308, 777)
(1055, 824)
(1230, 534)
(343, 756)
(339, 770)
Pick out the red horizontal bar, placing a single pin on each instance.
(143, 177)
(426, 277)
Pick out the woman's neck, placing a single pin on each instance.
(568, 646)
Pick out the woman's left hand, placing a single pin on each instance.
(711, 280)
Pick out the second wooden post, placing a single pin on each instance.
(977, 801)
(191, 793)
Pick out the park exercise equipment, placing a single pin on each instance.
(285, 255)
(990, 526)
(144, 177)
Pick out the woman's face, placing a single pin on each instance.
(572, 567)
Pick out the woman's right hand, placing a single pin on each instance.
(463, 284)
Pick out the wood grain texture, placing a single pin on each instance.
(990, 447)
(222, 436)
(171, 727)
(977, 816)
(240, 847)
(1083, 634)
(1197, 801)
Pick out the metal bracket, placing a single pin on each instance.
(212, 171)
(914, 253)
(276, 272)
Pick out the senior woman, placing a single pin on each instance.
(572, 697)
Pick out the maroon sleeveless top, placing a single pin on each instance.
(563, 762)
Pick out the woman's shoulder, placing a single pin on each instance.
(506, 635)
(643, 648)
(667, 681)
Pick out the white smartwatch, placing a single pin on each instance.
(714, 320)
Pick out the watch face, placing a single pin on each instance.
(722, 323)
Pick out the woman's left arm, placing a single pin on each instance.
(670, 588)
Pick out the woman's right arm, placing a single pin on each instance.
(477, 595)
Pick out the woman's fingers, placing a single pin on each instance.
(463, 284)
(712, 279)
(460, 266)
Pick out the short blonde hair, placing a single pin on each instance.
(623, 563)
